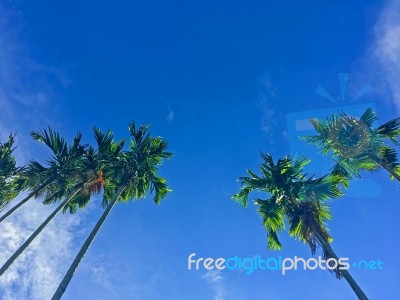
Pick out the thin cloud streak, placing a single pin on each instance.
(171, 115)
(28, 100)
(386, 47)
(215, 279)
(30, 94)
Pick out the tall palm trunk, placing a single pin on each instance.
(70, 273)
(23, 201)
(329, 251)
(36, 233)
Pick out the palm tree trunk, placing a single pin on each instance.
(70, 273)
(384, 165)
(23, 201)
(329, 251)
(36, 233)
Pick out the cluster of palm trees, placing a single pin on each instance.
(76, 171)
(299, 201)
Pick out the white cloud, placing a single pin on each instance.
(270, 105)
(213, 276)
(100, 267)
(386, 47)
(28, 100)
(267, 97)
(215, 279)
(29, 89)
(36, 273)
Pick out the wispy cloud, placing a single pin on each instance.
(29, 89)
(100, 274)
(215, 279)
(267, 97)
(36, 274)
(28, 100)
(170, 115)
(272, 112)
(386, 47)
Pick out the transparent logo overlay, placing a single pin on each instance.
(299, 125)
(278, 264)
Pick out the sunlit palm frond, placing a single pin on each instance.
(369, 117)
(388, 156)
(326, 187)
(294, 195)
(309, 216)
(10, 181)
(51, 139)
(390, 130)
(242, 196)
(136, 169)
(272, 215)
(79, 201)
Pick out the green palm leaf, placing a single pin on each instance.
(356, 145)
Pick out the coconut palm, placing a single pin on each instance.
(77, 182)
(9, 185)
(356, 145)
(298, 199)
(133, 176)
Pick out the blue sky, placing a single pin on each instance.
(219, 81)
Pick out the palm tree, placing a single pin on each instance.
(356, 145)
(9, 185)
(40, 180)
(133, 175)
(298, 199)
(63, 170)
(77, 183)
(91, 178)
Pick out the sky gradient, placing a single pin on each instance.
(220, 81)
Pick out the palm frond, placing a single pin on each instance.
(81, 200)
(10, 182)
(296, 197)
(273, 222)
(242, 196)
(368, 117)
(159, 186)
(51, 139)
(136, 169)
(354, 144)
(390, 130)
(389, 157)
